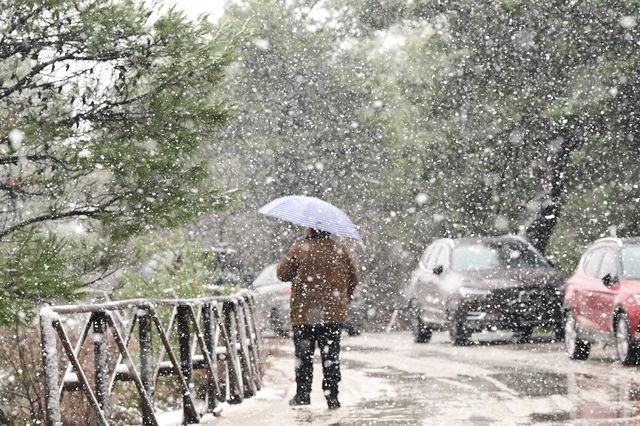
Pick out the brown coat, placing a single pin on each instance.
(323, 276)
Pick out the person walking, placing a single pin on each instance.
(323, 278)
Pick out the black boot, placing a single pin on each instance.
(332, 400)
(300, 400)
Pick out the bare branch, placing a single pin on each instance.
(34, 71)
(14, 159)
(101, 277)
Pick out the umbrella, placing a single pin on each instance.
(311, 212)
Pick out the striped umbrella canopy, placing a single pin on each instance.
(311, 212)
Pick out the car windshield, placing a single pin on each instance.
(631, 262)
(495, 255)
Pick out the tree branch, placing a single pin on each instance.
(101, 277)
(94, 212)
(14, 159)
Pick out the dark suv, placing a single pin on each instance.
(474, 284)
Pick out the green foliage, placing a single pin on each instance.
(310, 103)
(515, 97)
(172, 268)
(33, 270)
(107, 106)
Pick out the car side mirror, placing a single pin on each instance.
(609, 280)
(439, 269)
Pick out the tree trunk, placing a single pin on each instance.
(540, 229)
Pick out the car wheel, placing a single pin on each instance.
(576, 347)
(628, 350)
(458, 331)
(421, 332)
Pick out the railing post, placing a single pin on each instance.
(236, 385)
(184, 339)
(252, 336)
(101, 361)
(245, 357)
(50, 363)
(211, 347)
(146, 360)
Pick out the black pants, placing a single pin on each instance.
(327, 338)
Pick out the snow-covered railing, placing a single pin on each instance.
(217, 335)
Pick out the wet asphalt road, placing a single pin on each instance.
(390, 380)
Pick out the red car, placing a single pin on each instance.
(602, 300)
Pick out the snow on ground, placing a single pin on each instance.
(270, 405)
(390, 380)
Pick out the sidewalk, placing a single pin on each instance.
(270, 406)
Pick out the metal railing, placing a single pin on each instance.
(217, 335)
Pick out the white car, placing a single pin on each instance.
(272, 301)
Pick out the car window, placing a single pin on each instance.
(631, 262)
(518, 254)
(496, 255)
(425, 256)
(443, 258)
(431, 262)
(586, 261)
(609, 264)
(474, 258)
(591, 265)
